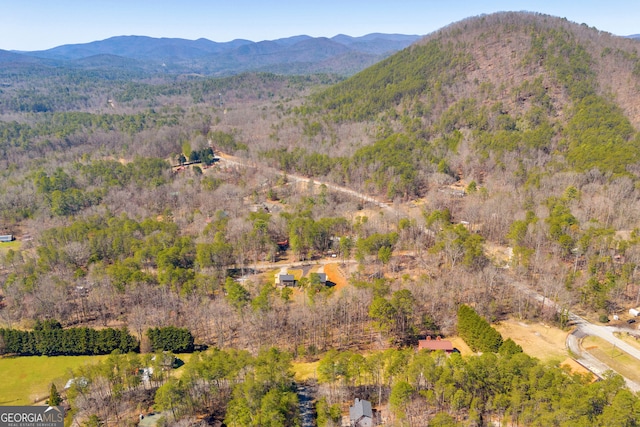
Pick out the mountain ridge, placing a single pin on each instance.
(225, 58)
(511, 94)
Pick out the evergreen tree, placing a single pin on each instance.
(54, 397)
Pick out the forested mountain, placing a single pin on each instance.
(294, 55)
(522, 86)
(506, 147)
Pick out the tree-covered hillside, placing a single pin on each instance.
(482, 92)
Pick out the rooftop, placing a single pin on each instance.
(437, 344)
(360, 408)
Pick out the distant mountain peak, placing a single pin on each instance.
(204, 56)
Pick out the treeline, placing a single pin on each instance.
(50, 339)
(510, 388)
(477, 332)
(55, 341)
(170, 338)
(63, 125)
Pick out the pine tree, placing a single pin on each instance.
(54, 397)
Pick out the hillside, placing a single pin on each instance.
(491, 57)
(495, 87)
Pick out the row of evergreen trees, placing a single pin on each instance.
(170, 338)
(50, 339)
(477, 332)
(69, 342)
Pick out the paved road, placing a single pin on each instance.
(585, 328)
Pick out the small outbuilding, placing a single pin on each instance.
(435, 345)
(634, 312)
(5, 238)
(361, 414)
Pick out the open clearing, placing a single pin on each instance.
(305, 370)
(546, 343)
(26, 379)
(335, 275)
(462, 346)
(613, 357)
(14, 245)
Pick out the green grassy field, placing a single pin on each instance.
(618, 360)
(26, 380)
(305, 370)
(5, 246)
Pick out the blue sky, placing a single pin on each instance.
(42, 24)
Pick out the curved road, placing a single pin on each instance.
(585, 328)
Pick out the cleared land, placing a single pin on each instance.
(26, 380)
(305, 370)
(616, 359)
(543, 342)
(5, 246)
(460, 345)
(335, 275)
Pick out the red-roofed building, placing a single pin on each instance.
(434, 345)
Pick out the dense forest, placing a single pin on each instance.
(502, 150)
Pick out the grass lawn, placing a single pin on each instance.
(296, 272)
(543, 342)
(613, 357)
(628, 338)
(460, 345)
(5, 246)
(27, 379)
(305, 370)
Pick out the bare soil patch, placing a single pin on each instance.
(335, 275)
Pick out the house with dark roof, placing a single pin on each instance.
(435, 345)
(361, 414)
(284, 279)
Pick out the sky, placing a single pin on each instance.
(42, 24)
